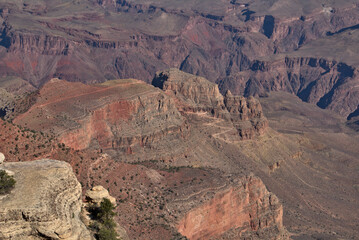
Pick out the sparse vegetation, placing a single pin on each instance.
(7, 182)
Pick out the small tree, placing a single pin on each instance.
(7, 182)
(104, 225)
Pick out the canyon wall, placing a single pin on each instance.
(327, 83)
(217, 43)
(197, 94)
(245, 210)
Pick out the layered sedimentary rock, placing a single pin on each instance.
(115, 115)
(81, 41)
(246, 115)
(328, 83)
(245, 209)
(45, 203)
(197, 94)
(194, 93)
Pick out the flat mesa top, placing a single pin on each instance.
(61, 103)
(59, 94)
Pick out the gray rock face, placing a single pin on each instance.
(45, 203)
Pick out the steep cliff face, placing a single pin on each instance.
(327, 83)
(116, 115)
(194, 93)
(246, 115)
(197, 94)
(45, 203)
(248, 207)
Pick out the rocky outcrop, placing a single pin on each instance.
(197, 94)
(121, 115)
(246, 210)
(97, 194)
(45, 203)
(246, 115)
(194, 93)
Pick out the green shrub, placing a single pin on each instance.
(104, 225)
(107, 234)
(7, 183)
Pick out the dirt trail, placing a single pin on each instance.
(215, 123)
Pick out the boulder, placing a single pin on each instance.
(97, 194)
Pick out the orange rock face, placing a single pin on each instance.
(249, 207)
(98, 126)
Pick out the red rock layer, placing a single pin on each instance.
(249, 207)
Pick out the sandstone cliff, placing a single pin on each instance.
(197, 94)
(244, 210)
(45, 203)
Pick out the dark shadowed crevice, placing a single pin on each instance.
(159, 80)
(2, 113)
(343, 29)
(268, 26)
(354, 114)
(345, 72)
(247, 13)
(302, 40)
(305, 93)
(5, 40)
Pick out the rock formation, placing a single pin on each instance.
(327, 83)
(45, 203)
(2, 159)
(197, 94)
(120, 115)
(97, 194)
(246, 115)
(246, 210)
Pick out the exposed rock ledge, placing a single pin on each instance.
(45, 203)
(197, 94)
